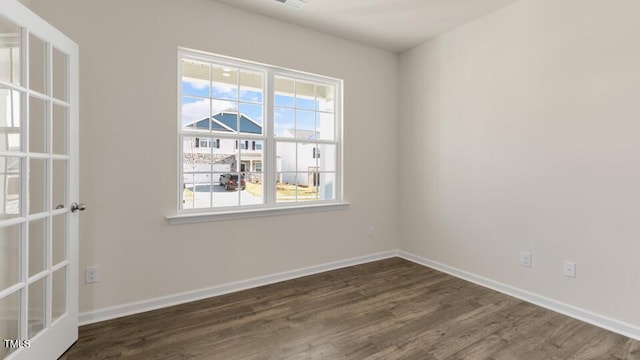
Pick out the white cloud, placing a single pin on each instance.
(199, 110)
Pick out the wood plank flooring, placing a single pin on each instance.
(389, 309)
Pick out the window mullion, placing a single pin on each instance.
(270, 170)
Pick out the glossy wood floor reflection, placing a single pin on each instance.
(389, 309)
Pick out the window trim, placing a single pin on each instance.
(269, 206)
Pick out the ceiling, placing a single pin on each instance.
(394, 25)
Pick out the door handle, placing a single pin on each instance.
(75, 207)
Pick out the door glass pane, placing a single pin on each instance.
(37, 64)
(9, 256)
(59, 291)
(58, 236)
(35, 314)
(37, 243)
(37, 125)
(10, 178)
(9, 321)
(9, 119)
(37, 181)
(59, 76)
(58, 177)
(59, 129)
(10, 49)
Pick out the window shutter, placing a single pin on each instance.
(197, 142)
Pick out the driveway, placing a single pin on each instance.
(222, 197)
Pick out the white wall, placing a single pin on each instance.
(520, 132)
(128, 91)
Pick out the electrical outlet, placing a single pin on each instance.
(525, 259)
(569, 269)
(90, 274)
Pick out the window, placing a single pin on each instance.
(268, 125)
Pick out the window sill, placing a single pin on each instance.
(189, 218)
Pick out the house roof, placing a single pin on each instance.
(304, 134)
(227, 121)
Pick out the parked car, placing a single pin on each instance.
(230, 181)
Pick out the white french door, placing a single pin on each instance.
(38, 184)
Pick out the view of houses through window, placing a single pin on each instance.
(243, 145)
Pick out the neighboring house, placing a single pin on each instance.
(309, 159)
(207, 153)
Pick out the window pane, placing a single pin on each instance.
(9, 119)
(327, 188)
(9, 255)
(305, 95)
(251, 86)
(228, 193)
(37, 125)
(188, 186)
(284, 92)
(325, 126)
(10, 50)
(251, 119)
(225, 116)
(286, 187)
(285, 157)
(196, 78)
(201, 190)
(59, 77)
(327, 157)
(37, 64)
(306, 190)
(37, 185)
(195, 158)
(225, 83)
(306, 157)
(37, 243)
(305, 125)
(195, 113)
(10, 178)
(253, 193)
(284, 120)
(325, 97)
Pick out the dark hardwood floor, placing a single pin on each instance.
(389, 309)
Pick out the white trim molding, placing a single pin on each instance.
(575, 312)
(587, 316)
(113, 312)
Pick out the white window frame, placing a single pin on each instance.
(270, 206)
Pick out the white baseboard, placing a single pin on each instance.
(587, 316)
(113, 312)
(599, 320)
